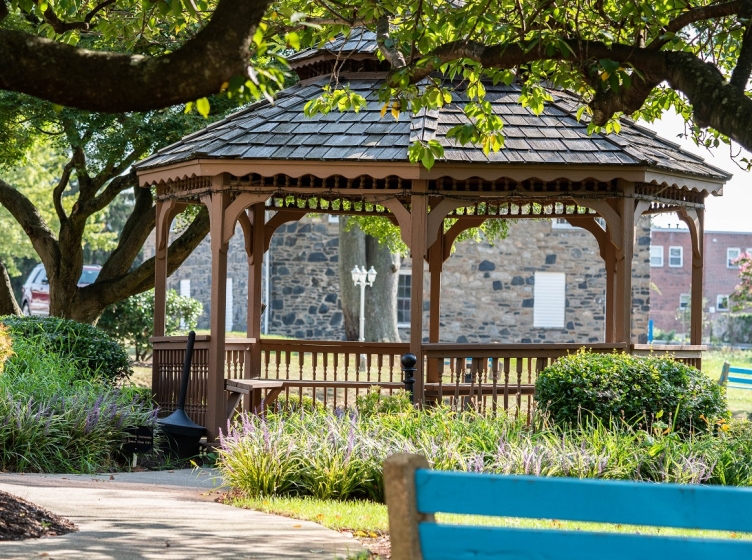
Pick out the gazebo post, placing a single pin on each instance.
(695, 220)
(216, 415)
(435, 267)
(160, 269)
(609, 259)
(418, 246)
(698, 258)
(623, 300)
(257, 213)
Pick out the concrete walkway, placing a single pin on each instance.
(161, 515)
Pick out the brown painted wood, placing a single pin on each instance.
(215, 394)
(418, 249)
(257, 215)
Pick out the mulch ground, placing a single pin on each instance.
(21, 520)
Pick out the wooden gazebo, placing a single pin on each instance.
(268, 164)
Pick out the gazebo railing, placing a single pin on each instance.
(489, 377)
(688, 354)
(484, 377)
(332, 373)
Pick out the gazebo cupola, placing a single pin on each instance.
(269, 164)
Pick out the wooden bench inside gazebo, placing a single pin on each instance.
(268, 165)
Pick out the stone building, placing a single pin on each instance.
(488, 290)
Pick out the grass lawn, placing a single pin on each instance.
(739, 400)
(369, 519)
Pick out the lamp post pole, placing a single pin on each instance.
(362, 277)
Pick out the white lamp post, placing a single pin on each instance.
(363, 278)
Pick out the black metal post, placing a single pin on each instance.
(408, 370)
(186, 370)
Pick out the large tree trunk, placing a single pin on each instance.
(358, 249)
(8, 303)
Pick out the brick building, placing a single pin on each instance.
(671, 275)
(488, 291)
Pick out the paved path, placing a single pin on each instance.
(161, 515)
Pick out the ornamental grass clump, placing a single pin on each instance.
(653, 392)
(338, 454)
(51, 420)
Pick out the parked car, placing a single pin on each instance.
(36, 291)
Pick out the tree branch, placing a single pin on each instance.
(137, 228)
(701, 13)
(116, 186)
(743, 68)
(60, 26)
(8, 303)
(97, 9)
(57, 193)
(390, 52)
(25, 213)
(95, 80)
(117, 288)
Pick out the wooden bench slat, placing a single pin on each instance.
(630, 503)
(458, 542)
(733, 369)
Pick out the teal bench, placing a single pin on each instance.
(414, 493)
(735, 377)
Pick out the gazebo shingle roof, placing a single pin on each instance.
(281, 131)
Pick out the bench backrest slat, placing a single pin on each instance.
(457, 542)
(734, 369)
(629, 503)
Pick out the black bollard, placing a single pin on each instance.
(408, 370)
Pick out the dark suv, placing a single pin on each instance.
(36, 290)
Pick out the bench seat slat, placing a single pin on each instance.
(458, 542)
(733, 369)
(734, 379)
(629, 503)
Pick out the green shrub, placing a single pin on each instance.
(373, 402)
(94, 353)
(131, 321)
(630, 389)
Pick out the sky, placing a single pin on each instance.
(733, 210)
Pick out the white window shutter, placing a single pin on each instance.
(228, 306)
(185, 288)
(549, 300)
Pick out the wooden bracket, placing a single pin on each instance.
(690, 217)
(280, 218)
(437, 215)
(404, 219)
(237, 207)
(613, 220)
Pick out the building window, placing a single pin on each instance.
(561, 223)
(549, 300)
(748, 250)
(333, 218)
(676, 257)
(683, 301)
(404, 294)
(732, 253)
(722, 303)
(656, 255)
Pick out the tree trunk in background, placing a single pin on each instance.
(357, 248)
(8, 303)
(381, 298)
(352, 252)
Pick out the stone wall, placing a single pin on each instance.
(487, 290)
